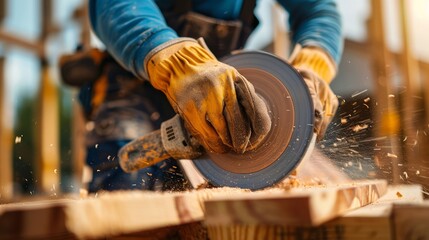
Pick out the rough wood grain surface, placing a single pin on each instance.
(106, 214)
(412, 221)
(142, 214)
(305, 206)
(372, 222)
(34, 220)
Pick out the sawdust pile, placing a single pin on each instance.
(293, 182)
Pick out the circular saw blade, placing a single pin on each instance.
(291, 110)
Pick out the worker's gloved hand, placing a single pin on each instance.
(219, 106)
(324, 100)
(318, 70)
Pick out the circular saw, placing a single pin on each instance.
(290, 140)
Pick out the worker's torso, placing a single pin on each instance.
(220, 9)
(224, 24)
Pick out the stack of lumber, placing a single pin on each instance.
(299, 212)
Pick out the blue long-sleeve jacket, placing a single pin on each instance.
(130, 29)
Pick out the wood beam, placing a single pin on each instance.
(387, 116)
(35, 47)
(48, 164)
(410, 77)
(281, 41)
(6, 169)
(6, 173)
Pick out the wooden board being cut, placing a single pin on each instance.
(127, 212)
(412, 221)
(377, 221)
(374, 221)
(304, 206)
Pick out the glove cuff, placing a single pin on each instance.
(165, 50)
(315, 60)
(179, 57)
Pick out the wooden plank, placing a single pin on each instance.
(34, 220)
(124, 211)
(47, 219)
(106, 214)
(372, 222)
(127, 212)
(305, 206)
(411, 221)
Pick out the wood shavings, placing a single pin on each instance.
(399, 195)
(292, 182)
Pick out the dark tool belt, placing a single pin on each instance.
(221, 36)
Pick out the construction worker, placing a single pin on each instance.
(156, 42)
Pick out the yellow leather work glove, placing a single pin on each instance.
(218, 105)
(318, 70)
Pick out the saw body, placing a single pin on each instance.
(289, 140)
(171, 141)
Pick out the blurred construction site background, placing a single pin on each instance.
(380, 131)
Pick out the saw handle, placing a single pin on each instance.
(142, 152)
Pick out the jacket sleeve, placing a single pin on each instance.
(316, 23)
(130, 29)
